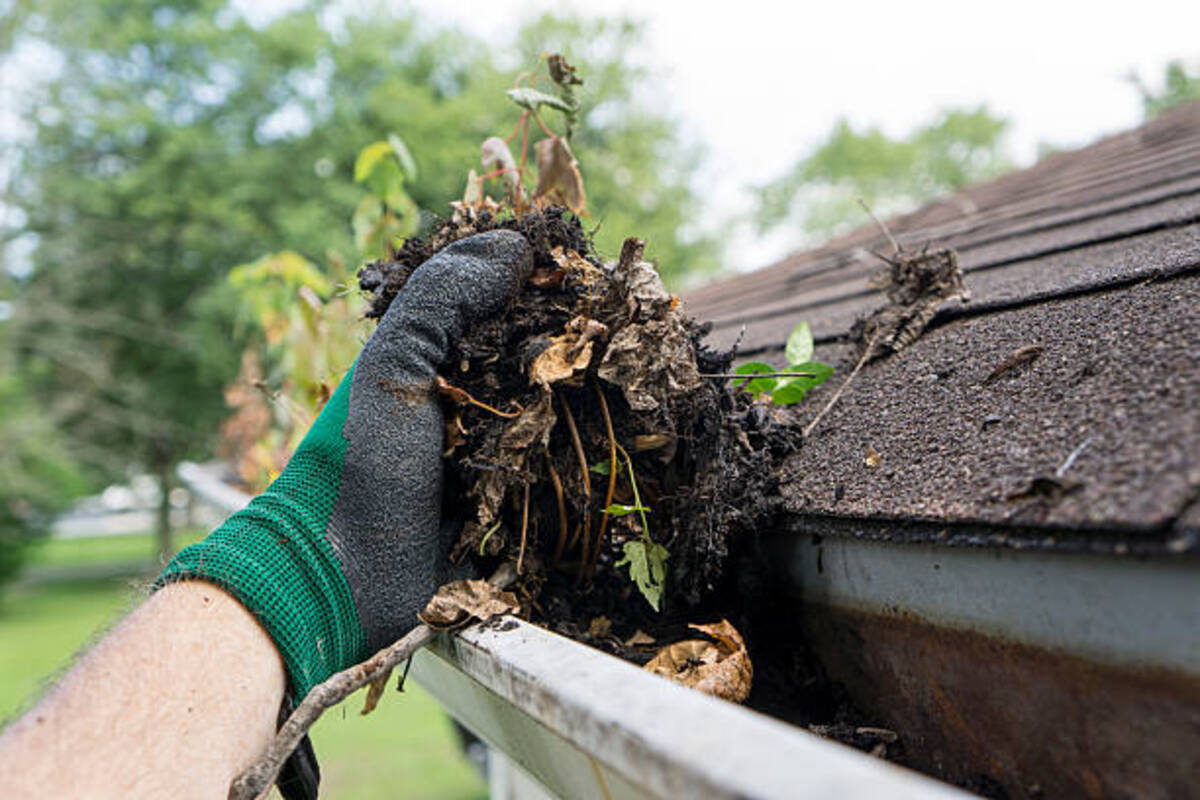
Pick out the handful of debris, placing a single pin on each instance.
(583, 441)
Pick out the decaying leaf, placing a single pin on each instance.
(559, 180)
(458, 602)
(639, 639)
(916, 285)
(651, 359)
(599, 626)
(569, 353)
(720, 668)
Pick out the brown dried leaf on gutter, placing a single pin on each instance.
(458, 602)
(721, 668)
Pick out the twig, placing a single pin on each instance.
(612, 478)
(524, 529)
(637, 497)
(846, 383)
(752, 375)
(262, 773)
(882, 227)
(562, 510)
(256, 778)
(1070, 462)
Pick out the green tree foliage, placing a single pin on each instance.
(176, 140)
(37, 471)
(956, 149)
(1179, 86)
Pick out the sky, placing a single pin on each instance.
(758, 84)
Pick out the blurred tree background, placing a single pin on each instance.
(167, 142)
(820, 192)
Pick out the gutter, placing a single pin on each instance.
(565, 720)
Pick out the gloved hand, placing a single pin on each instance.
(339, 554)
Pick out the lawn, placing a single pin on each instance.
(406, 749)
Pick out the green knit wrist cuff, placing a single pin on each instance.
(289, 580)
(273, 556)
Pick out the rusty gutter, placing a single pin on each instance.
(1030, 672)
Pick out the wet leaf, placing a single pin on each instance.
(559, 180)
(458, 602)
(799, 344)
(533, 99)
(721, 668)
(647, 568)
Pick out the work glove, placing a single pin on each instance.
(343, 549)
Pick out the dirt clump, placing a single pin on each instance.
(584, 444)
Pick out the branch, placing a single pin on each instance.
(259, 776)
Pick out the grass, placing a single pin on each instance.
(128, 548)
(405, 750)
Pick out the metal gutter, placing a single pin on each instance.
(1044, 673)
(565, 720)
(588, 725)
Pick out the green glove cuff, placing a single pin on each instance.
(273, 556)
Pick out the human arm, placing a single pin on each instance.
(336, 557)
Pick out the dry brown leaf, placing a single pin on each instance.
(600, 626)
(567, 354)
(721, 668)
(873, 458)
(639, 638)
(458, 602)
(558, 174)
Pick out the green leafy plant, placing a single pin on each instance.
(646, 558)
(387, 215)
(783, 388)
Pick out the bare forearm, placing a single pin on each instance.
(175, 701)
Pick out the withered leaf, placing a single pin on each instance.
(568, 353)
(721, 668)
(458, 602)
(599, 626)
(558, 174)
(873, 458)
(495, 155)
(639, 639)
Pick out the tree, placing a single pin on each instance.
(1179, 87)
(958, 148)
(175, 140)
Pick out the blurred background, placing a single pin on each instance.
(188, 188)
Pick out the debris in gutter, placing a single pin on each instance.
(1017, 358)
(720, 667)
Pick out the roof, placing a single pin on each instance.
(1093, 256)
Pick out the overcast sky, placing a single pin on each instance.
(758, 83)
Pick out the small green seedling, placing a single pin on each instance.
(646, 558)
(786, 391)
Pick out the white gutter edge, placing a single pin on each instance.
(588, 725)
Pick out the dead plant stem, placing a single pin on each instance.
(612, 478)
(524, 529)
(845, 384)
(562, 511)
